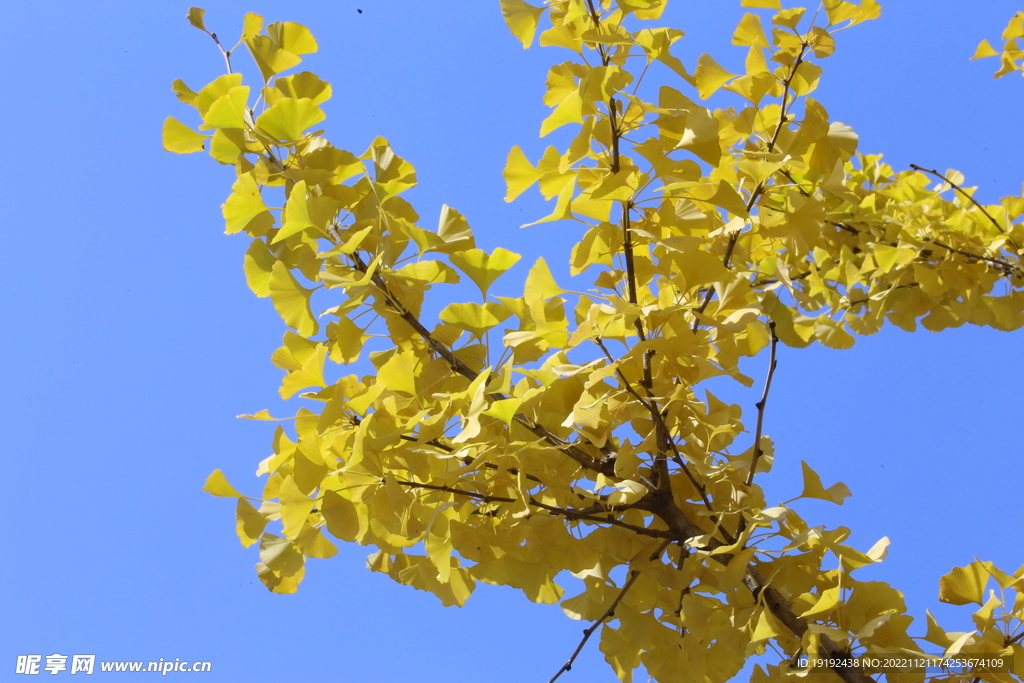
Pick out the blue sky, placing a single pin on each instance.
(131, 339)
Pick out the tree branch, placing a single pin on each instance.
(659, 420)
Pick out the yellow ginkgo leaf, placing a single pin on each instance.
(813, 488)
(750, 33)
(245, 205)
(291, 300)
(522, 19)
(519, 173)
(228, 111)
(249, 523)
(195, 17)
(295, 507)
(710, 76)
(181, 139)
(483, 268)
(252, 24)
(288, 118)
(569, 110)
(964, 584)
(258, 266)
(453, 228)
(475, 318)
(217, 485)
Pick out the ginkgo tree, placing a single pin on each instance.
(561, 438)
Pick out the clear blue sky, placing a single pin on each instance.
(130, 340)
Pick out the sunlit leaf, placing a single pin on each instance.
(483, 268)
(288, 118)
(522, 19)
(813, 488)
(181, 139)
(217, 485)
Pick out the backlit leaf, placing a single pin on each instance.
(249, 523)
(244, 206)
(195, 17)
(453, 228)
(519, 174)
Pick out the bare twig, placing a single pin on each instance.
(226, 53)
(634, 574)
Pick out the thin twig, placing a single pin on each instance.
(568, 513)
(226, 53)
(762, 403)
(661, 474)
(1003, 266)
(964, 193)
(468, 460)
(634, 574)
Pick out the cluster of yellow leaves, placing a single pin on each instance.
(1011, 57)
(584, 444)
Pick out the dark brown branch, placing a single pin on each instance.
(627, 253)
(1004, 267)
(596, 18)
(634, 574)
(684, 529)
(791, 179)
(661, 474)
(613, 122)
